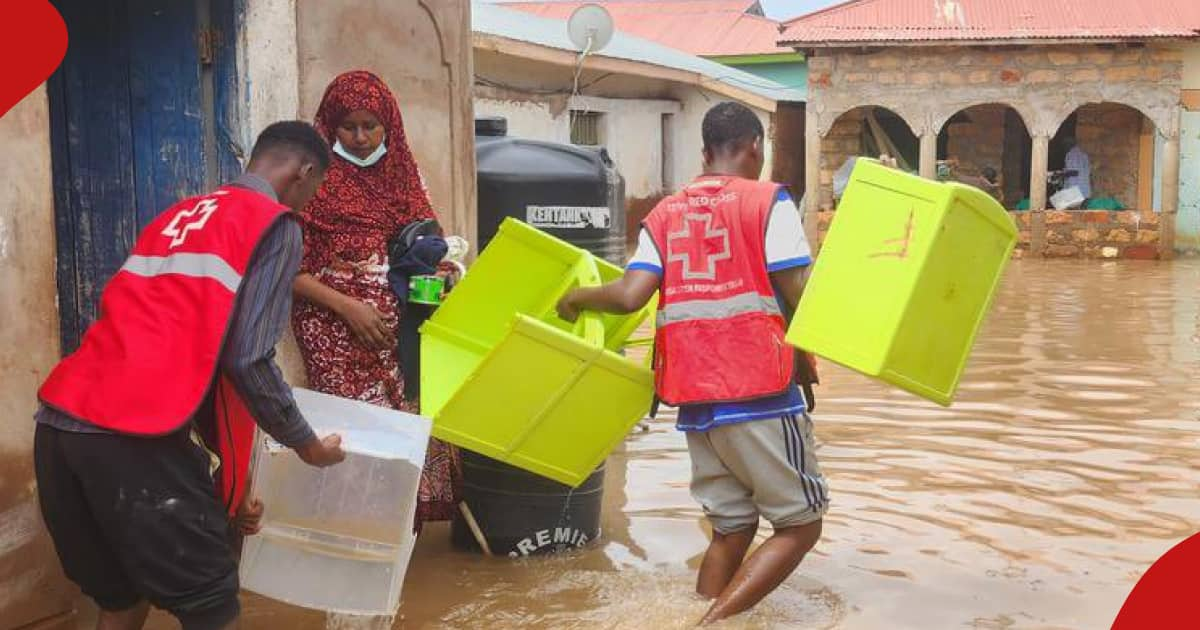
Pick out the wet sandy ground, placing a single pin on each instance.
(1070, 462)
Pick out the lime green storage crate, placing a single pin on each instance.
(503, 376)
(904, 279)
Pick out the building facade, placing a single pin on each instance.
(1008, 100)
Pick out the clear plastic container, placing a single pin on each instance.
(338, 539)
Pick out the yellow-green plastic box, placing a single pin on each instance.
(904, 280)
(503, 376)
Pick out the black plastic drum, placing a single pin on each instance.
(523, 514)
(572, 192)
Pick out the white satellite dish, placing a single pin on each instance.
(590, 28)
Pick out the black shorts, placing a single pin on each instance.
(136, 519)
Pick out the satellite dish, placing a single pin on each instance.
(590, 28)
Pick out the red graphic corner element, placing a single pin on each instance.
(33, 41)
(1166, 596)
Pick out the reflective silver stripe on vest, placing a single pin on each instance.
(192, 265)
(718, 309)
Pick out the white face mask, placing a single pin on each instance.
(357, 161)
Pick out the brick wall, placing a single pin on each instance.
(1111, 134)
(1092, 234)
(843, 141)
(1044, 84)
(1126, 234)
(980, 142)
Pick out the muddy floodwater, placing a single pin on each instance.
(1069, 463)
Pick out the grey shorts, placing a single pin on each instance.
(764, 468)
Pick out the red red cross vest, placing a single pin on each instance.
(720, 332)
(145, 366)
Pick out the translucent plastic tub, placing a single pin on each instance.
(338, 539)
(905, 278)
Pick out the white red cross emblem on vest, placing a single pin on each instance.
(698, 246)
(196, 218)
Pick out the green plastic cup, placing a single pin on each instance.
(426, 290)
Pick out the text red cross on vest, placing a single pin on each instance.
(698, 246)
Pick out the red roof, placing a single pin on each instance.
(878, 21)
(707, 28)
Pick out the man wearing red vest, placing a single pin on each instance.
(144, 436)
(723, 254)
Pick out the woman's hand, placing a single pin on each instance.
(364, 320)
(367, 323)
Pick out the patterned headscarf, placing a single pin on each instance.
(358, 209)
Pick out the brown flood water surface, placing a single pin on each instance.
(1069, 463)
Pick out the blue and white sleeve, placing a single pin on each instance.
(646, 258)
(786, 246)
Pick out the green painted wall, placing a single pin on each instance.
(788, 69)
(792, 74)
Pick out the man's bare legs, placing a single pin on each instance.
(761, 573)
(721, 561)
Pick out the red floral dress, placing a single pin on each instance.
(346, 231)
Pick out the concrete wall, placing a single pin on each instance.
(1191, 66)
(1187, 236)
(536, 99)
(271, 72)
(632, 131)
(688, 142)
(536, 120)
(422, 49)
(31, 586)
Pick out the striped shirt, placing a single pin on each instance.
(258, 322)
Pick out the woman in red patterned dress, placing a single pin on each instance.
(346, 316)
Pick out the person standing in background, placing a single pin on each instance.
(1077, 160)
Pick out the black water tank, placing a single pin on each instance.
(572, 192)
(523, 514)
